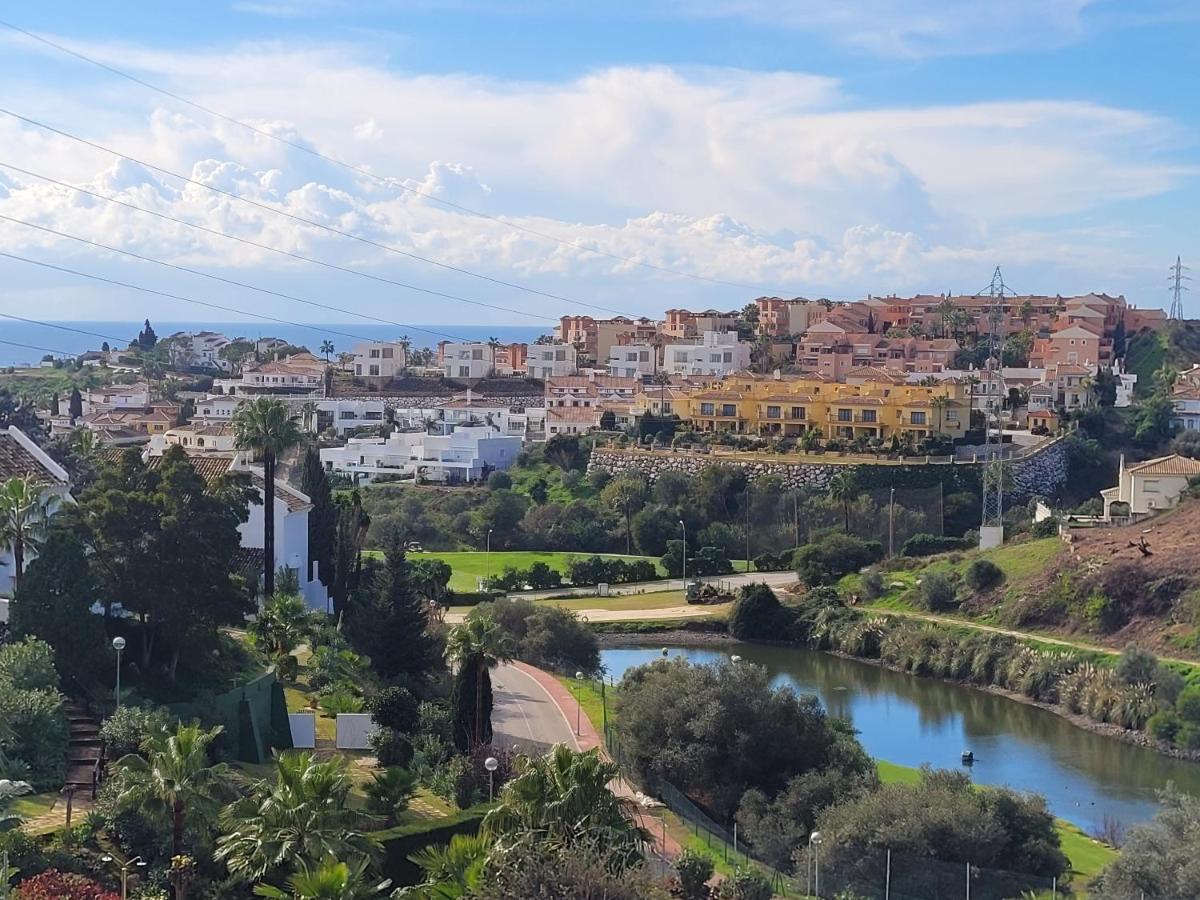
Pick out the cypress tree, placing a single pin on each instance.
(322, 518)
(54, 404)
(75, 404)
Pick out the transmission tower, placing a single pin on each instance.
(991, 533)
(1178, 287)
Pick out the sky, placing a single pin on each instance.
(513, 161)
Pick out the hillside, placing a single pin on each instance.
(1100, 588)
(1177, 344)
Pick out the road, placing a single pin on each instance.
(774, 579)
(524, 716)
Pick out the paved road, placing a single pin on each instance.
(524, 716)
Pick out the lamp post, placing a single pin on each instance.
(118, 644)
(491, 764)
(684, 528)
(814, 841)
(125, 867)
(578, 702)
(487, 584)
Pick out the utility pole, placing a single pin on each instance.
(892, 522)
(1178, 287)
(991, 529)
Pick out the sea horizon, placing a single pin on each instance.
(55, 339)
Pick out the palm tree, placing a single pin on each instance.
(174, 781)
(844, 487)
(332, 880)
(24, 518)
(279, 628)
(327, 349)
(264, 426)
(478, 644)
(405, 342)
(10, 790)
(493, 345)
(939, 403)
(564, 797)
(1026, 313)
(945, 310)
(451, 870)
(299, 819)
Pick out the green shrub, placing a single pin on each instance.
(937, 591)
(341, 700)
(757, 614)
(983, 575)
(929, 544)
(39, 726)
(125, 729)
(395, 708)
(694, 869)
(773, 562)
(744, 884)
(29, 665)
(872, 585)
(1165, 725)
(499, 481)
(392, 748)
(1188, 705)
(1045, 528)
(827, 560)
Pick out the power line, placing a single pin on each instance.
(223, 280)
(365, 172)
(297, 256)
(60, 327)
(35, 347)
(301, 219)
(319, 329)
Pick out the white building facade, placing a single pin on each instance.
(550, 361)
(379, 359)
(455, 455)
(632, 361)
(718, 353)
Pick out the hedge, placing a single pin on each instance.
(929, 544)
(403, 841)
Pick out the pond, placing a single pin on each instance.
(908, 720)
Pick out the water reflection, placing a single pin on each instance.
(912, 721)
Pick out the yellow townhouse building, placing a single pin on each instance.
(788, 406)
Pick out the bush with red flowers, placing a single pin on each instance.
(55, 885)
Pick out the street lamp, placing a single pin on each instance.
(578, 702)
(684, 527)
(814, 841)
(491, 764)
(487, 585)
(118, 644)
(125, 867)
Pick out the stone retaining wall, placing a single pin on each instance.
(1038, 473)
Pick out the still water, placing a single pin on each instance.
(911, 721)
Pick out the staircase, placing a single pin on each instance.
(85, 768)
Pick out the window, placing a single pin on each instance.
(374, 370)
(374, 354)
(464, 371)
(387, 352)
(357, 368)
(644, 356)
(477, 353)
(845, 415)
(560, 355)
(728, 409)
(773, 412)
(728, 357)
(707, 409)
(951, 415)
(344, 415)
(868, 415)
(918, 418)
(797, 412)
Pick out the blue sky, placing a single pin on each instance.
(796, 147)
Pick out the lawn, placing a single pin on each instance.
(589, 692)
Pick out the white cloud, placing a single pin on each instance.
(771, 179)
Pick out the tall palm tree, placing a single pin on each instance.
(939, 403)
(564, 797)
(327, 349)
(332, 880)
(844, 487)
(24, 518)
(478, 644)
(405, 342)
(174, 781)
(297, 820)
(493, 345)
(264, 426)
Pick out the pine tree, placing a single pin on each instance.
(322, 518)
(146, 337)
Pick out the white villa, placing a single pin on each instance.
(452, 454)
(1150, 486)
(200, 349)
(22, 458)
(632, 360)
(379, 359)
(547, 361)
(718, 353)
